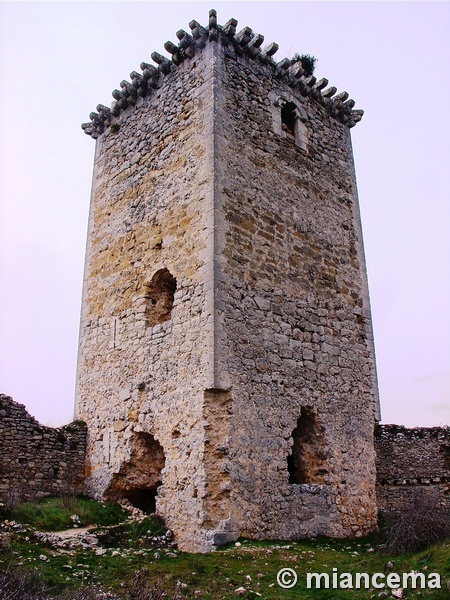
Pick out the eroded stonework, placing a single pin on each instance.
(226, 364)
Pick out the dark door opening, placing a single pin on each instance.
(144, 499)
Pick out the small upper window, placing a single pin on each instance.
(289, 118)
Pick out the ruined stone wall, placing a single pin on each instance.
(295, 312)
(412, 462)
(38, 461)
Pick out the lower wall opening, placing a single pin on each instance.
(144, 499)
(307, 461)
(138, 479)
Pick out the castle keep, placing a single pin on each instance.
(226, 364)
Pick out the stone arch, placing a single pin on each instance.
(139, 478)
(307, 462)
(159, 295)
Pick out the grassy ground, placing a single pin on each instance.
(128, 563)
(54, 514)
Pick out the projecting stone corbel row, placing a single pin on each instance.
(245, 42)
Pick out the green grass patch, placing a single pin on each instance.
(135, 534)
(127, 563)
(54, 514)
(215, 576)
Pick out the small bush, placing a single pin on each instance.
(420, 525)
(7, 503)
(308, 63)
(133, 534)
(27, 585)
(88, 593)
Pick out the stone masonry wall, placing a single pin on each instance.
(295, 318)
(38, 461)
(412, 462)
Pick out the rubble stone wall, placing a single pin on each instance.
(412, 463)
(38, 461)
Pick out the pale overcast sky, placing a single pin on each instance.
(58, 60)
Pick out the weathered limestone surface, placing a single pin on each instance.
(38, 461)
(151, 210)
(262, 355)
(410, 460)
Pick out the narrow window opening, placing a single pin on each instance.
(160, 297)
(289, 118)
(307, 461)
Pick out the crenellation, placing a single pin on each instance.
(253, 46)
(244, 43)
(174, 51)
(164, 64)
(329, 92)
(229, 29)
(244, 36)
(198, 32)
(187, 42)
(282, 66)
(318, 87)
(129, 91)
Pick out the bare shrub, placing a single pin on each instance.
(422, 523)
(17, 584)
(8, 503)
(140, 589)
(70, 502)
(89, 593)
(21, 585)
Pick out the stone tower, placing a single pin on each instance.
(226, 364)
